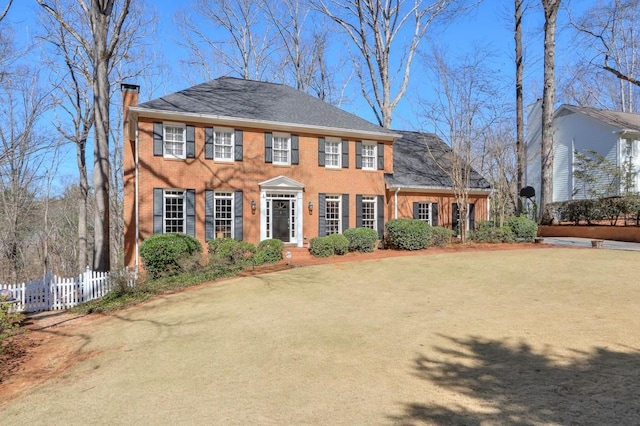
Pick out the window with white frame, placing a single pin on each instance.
(174, 211)
(281, 149)
(333, 214)
(424, 212)
(174, 140)
(369, 212)
(223, 144)
(223, 211)
(332, 153)
(369, 160)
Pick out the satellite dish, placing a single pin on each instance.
(528, 191)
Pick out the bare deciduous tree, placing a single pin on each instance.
(247, 47)
(550, 8)
(102, 33)
(462, 114)
(379, 29)
(520, 155)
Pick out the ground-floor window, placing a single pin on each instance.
(223, 214)
(369, 211)
(174, 211)
(333, 214)
(426, 211)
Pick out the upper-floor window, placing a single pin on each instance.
(629, 148)
(174, 139)
(174, 211)
(281, 148)
(369, 156)
(332, 153)
(223, 144)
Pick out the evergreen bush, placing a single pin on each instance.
(269, 251)
(523, 229)
(440, 236)
(407, 234)
(167, 254)
(486, 232)
(362, 240)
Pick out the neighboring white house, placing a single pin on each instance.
(614, 135)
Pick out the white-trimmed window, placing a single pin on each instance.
(174, 217)
(333, 153)
(369, 212)
(174, 138)
(333, 214)
(223, 210)
(424, 212)
(223, 144)
(281, 148)
(369, 156)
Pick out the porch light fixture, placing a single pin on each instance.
(310, 207)
(253, 206)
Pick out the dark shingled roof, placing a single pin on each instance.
(255, 100)
(418, 159)
(623, 120)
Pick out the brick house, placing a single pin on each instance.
(253, 160)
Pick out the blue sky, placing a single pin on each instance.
(489, 25)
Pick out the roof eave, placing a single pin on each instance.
(272, 125)
(436, 189)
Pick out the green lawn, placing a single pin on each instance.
(529, 337)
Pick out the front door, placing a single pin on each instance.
(281, 220)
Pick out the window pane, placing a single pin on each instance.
(281, 149)
(223, 145)
(369, 212)
(332, 214)
(224, 214)
(369, 156)
(424, 212)
(174, 139)
(332, 154)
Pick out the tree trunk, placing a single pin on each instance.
(520, 160)
(548, 99)
(101, 172)
(82, 208)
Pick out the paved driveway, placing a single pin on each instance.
(586, 242)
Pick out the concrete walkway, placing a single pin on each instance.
(586, 242)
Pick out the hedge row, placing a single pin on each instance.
(609, 209)
(517, 228)
(414, 234)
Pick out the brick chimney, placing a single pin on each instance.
(129, 98)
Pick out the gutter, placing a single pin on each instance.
(137, 258)
(440, 189)
(274, 125)
(395, 214)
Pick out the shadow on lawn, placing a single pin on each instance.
(518, 386)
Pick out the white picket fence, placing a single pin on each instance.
(52, 293)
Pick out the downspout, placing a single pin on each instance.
(395, 215)
(136, 204)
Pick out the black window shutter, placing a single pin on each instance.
(191, 142)
(434, 214)
(380, 156)
(237, 215)
(321, 151)
(158, 139)
(345, 154)
(358, 211)
(268, 147)
(380, 224)
(472, 217)
(237, 140)
(358, 154)
(454, 218)
(208, 143)
(295, 157)
(209, 219)
(416, 210)
(158, 210)
(345, 212)
(322, 215)
(191, 212)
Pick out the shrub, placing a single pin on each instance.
(339, 242)
(268, 251)
(321, 247)
(167, 254)
(486, 232)
(407, 234)
(361, 239)
(230, 251)
(9, 323)
(523, 229)
(440, 236)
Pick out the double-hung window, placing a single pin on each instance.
(223, 144)
(174, 140)
(223, 214)
(174, 211)
(333, 214)
(369, 156)
(369, 211)
(281, 149)
(424, 212)
(332, 153)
